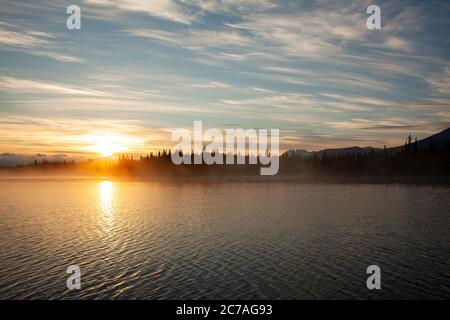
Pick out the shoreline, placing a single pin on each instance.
(419, 180)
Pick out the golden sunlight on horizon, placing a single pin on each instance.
(108, 144)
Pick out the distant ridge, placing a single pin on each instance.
(437, 140)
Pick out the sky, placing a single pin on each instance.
(139, 69)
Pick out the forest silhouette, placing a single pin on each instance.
(429, 157)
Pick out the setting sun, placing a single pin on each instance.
(107, 145)
(107, 149)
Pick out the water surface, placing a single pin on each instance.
(140, 240)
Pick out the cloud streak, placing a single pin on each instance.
(32, 42)
(11, 84)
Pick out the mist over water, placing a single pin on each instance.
(139, 240)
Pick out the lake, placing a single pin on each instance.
(142, 240)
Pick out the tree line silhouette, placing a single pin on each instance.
(413, 159)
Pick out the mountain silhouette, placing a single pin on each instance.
(437, 140)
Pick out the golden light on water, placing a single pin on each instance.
(106, 191)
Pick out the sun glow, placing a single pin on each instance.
(107, 145)
(107, 149)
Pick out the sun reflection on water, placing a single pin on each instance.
(106, 191)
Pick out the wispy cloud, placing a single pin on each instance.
(11, 84)
(33, 42)
(233, 6)
(193, 38)
(440, 81)
(56, 56)
(186, 11)
(21, 39)
(171, 10)
(211, 85)
(398, 43)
